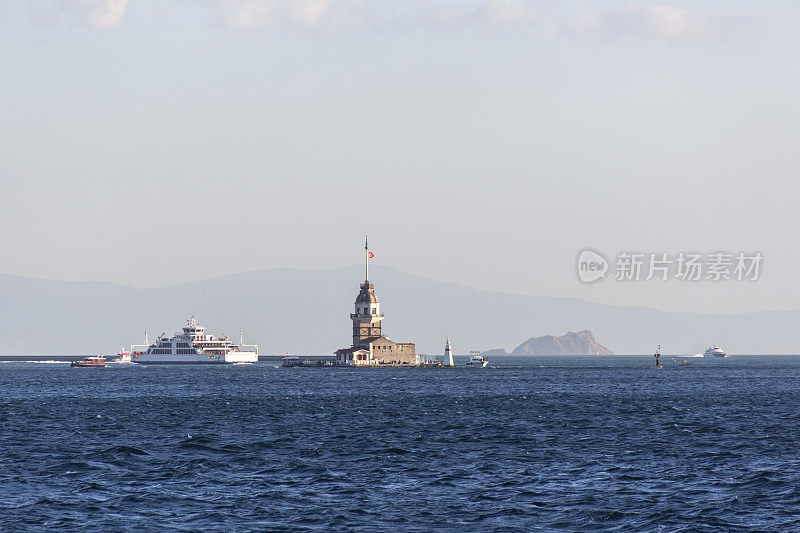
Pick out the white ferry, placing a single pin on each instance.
(714, 351)
(194, 346)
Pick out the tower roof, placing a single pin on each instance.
(367, 294)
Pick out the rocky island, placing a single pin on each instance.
(573, 343)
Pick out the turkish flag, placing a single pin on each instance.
(371, 255)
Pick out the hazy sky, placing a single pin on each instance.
(484, 142)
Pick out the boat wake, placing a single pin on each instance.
(40, 362)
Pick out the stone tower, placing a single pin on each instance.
(367, 317)
(370, 346)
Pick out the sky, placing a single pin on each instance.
(482, 142)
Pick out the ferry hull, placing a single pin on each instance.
(229, 359)
(153, 362)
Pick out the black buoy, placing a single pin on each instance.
(657, 355)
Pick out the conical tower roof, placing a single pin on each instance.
(367, 294)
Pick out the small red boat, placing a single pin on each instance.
(95, 360)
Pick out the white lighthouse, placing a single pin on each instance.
(448, 355)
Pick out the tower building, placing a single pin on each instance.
(370, 346)
(367, 316)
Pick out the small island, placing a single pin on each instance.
(573, 343)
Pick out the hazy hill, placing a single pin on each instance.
(308, 312)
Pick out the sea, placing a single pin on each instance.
(526, 444)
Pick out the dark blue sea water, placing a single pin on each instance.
(571, 444)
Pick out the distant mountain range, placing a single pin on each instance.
(286, 310)
(572, 343)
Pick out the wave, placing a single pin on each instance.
(124, 450)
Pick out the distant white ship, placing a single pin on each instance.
(194, 346)
(714, 351)
(476, 359)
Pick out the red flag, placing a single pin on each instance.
(371, 255)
